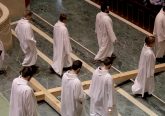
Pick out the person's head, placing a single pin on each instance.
(63, 17)
(28, 72)
(150, 41)
(76, 66)
(105, 7)
(28, 14)
(108, 61)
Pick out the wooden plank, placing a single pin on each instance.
(36, 85)
(53, 102)
(40, 95)
(55, 91)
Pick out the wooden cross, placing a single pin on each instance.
(49, 95)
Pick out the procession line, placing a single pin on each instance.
(91, 69)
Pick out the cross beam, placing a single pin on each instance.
(49, 95)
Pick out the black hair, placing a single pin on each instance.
(62, 17)
(29, 71)
(28, 13)
(149, 40)
(104, 7)
(109, 60)
(76, 65)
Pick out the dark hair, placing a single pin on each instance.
(149, 40)
(29, 71)
(28, 13)
(63, 17)
(164, 7)
(76, 65)
(104, 7)
(109, 60)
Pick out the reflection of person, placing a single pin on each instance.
(102, 92)
(27, 41)
(105, 35)
(72, 95)
(159, 33)
(156, 2)
(144, 81)
(2, 54)
(61, 46)
(22, 100)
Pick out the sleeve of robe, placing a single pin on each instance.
(96, 24)
(150, 65)
(110, 92)
(79, 93)
(110, 31)
(66, 41)
(30, 38)
(30, 103)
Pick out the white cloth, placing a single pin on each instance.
(2, 54)
(22, 99)
(61, 48)
(27, 42)
(72, 95)
(102, 94)
(144, 81)
(105, 35)
(159, 33)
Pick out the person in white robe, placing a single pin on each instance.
(105, 34)
(72, 95)
(144, 81)
(27, 41)
(2, 56)
(61, 46)
(159, 34)
(22, 100)
(102, 92)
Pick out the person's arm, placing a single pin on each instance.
(30, 103)
(110, 31)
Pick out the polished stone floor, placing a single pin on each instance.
(81, 18)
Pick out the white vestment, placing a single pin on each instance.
(22, 99)
(144, 81)
(102, 94)
(105, 35)
(61, 48)
(27, 42)
(2, 54)
(159, 33)
(72, 95)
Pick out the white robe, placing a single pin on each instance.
(102, 94)
(72, 95)
(27, 42)
(2, 54)
(61, 48)
(159, 33)
(105, 35)
(144, 81)
(22, 99)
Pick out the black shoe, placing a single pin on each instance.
(2, 72)
(66, 68)
(52, 70)
(160, 60)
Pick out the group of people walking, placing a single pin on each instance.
(101, 90)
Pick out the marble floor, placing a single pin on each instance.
(81, 18)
